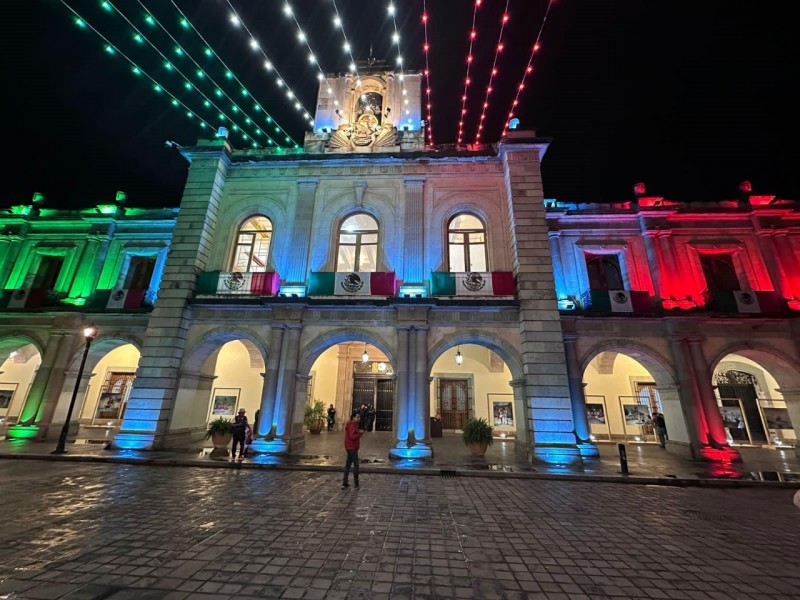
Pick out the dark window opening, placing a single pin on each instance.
(604, 272)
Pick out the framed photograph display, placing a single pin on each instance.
(777, 418)
(109, 406)
(502, 413)
(596, 413)
(223, 402)
(636, 415)
(7, 391)
(733, 419)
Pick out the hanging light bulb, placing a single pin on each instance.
(459, 356)
(365, 356)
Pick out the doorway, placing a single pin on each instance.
(738, 385)
(454, 402)
(377, 392)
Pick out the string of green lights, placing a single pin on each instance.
(141, 38)
(111, 49)
(222, 62)
(202, 74)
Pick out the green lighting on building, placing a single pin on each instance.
(22, 210)
(22, 432)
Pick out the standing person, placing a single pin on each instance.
(239, 431)
(331, 417)
(660, 425)
(352, 441)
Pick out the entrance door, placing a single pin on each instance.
(737, 384)
(454, 402)
(379, 393)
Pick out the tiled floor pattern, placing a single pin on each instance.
(98, 531)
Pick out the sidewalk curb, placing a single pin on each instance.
(422, 471)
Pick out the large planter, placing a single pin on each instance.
(221, 441)
(316, 428)
(477, 449)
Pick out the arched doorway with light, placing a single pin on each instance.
(19, 361)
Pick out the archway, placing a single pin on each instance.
(473, 381)
(758, 394)
(103, 390)
(623, 387)
(19, 361)
(220, 375)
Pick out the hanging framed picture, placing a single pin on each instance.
(223, 402)
(7, 391)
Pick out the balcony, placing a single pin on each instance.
(617, 302)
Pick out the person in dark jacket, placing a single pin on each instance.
(352, 441)
(660, 426)
(331, 417)
(239, 431)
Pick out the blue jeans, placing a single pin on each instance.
(352, 459)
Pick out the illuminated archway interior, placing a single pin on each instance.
(16, 376)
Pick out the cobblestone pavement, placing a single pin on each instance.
(98, 531)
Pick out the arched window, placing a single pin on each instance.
(252, 246)
(358, 244)
(466, 239)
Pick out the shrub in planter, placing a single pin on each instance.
(478, 436)
(314, 417)
(219, 432)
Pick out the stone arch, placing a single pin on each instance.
(100, 347)
(311, 350)
(785, 370)
(196, 357)
(13, 340)
(498, 345)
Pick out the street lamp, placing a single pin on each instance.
(89, 333)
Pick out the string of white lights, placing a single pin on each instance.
(428, 87)
(269, 65)
(339, 23)
(312, 57)
(528, 68)
(201, 73)
(396, 40)
(136, 69)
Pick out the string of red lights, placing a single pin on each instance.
(528, 68)
(493, 73)
(427, 73)
(467, 80)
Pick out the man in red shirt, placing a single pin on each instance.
(352, 440)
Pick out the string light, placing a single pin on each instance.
(467, 81)
(187, 84)
(427, 73)
(269, 65)
(200, 73)
(528, 68)
(136, 69)
(339, 24)
(396, 40)
(493, 73)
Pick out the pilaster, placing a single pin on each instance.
(297, 270)
(414, 243)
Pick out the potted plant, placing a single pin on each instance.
(314, 417)
(477, 436)
(219, 432)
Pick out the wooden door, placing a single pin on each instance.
(454, 402)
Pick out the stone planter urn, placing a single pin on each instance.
(477, 448)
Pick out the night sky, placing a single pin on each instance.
(690, 97)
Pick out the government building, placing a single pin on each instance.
(370, 268)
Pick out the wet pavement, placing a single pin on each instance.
(646, 462)
(79, 531)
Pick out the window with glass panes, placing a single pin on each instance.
(358, 244)
(466, 238)
(252, 246)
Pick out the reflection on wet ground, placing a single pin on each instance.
(449, 453)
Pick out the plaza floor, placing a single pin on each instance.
(79, 531)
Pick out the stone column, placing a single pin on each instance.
(769, 252)
(152, 399)
(9, 249)
(414, 237)
(788, 262)
(402, 417)
(45, 391)
(577, 399)
(655, 263)
(792, 398)
(287, 389)
(554, 238)
(546, 384)
(298, 434)
(266, 418)
(297, 261)
(87, 269)
(422, 408)
(670, 293)
(520, 411)
(716, 429)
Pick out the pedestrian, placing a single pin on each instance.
(331, 417)
(239, 430)
(660, 425)
(352, 441)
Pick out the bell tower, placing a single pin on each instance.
(372, 110)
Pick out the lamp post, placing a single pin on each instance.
(89, 333)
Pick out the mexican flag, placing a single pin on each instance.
(746, 302)
(620, 301)
(125, 299)
(352, 284)
(221, 283)
(498, 283)
(25, 298)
